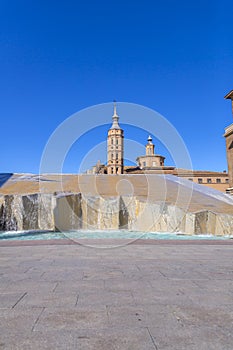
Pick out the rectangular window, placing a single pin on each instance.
(190, 179)
(144, 163)
(218, 181)
(116, 155)
(227, 180)
(200, 181)
(154, 163)
(116, 141)
(209, 181)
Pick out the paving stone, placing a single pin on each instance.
(140, 297)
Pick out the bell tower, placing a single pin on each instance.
(115, 146)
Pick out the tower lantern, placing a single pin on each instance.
(150, 147)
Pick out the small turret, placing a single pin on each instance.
(150, 147)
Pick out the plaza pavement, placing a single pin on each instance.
(141, 296)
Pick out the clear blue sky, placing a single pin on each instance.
(58, 57)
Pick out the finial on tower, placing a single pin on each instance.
(149, 138)
(115, 107)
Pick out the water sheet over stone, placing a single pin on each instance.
(155, 204)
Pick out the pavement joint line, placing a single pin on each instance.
(163, 274)
(28, 269)
(152, 339)
(37, 320)
(107, 310)
(138, 268)
(133, 297)
(55, 287)
(22, 296)
(77, 299)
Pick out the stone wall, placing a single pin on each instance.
(75, 211)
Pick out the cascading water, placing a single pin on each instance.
(11, 213)
(30, 212)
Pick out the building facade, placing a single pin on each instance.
(229, 146)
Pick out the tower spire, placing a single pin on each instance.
(115, 117)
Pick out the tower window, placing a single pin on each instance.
(112, 141)
(116, 141)
(112, 155)
(112, 170)
(116, 155)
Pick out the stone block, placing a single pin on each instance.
(205, 222)
(68, 212)
(189, 220)
(31, 211)
(11, 213)
(90, 212)
(224, 225)
(47, 204)
(109, 212)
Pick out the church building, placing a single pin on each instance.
(152, 163)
